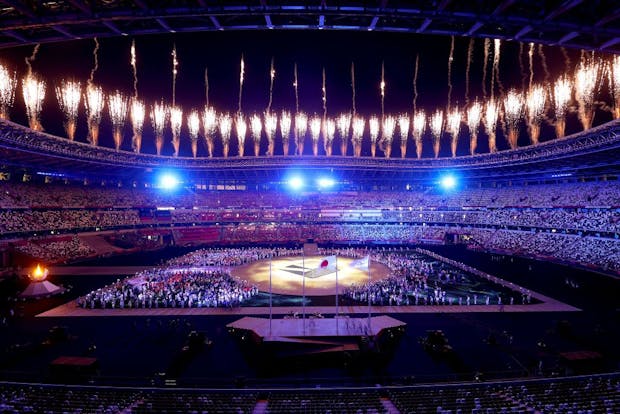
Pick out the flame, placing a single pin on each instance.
(39, 274)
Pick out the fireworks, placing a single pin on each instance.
(137, 113)
(586, 83)
(241, 128)
(358, 124)
(94, 106)
(419, 124)
(176, 120)
(256, 127)
(33, 91)
(315, 133)
(389, 125)
(134, 69)
(474, 115)
(374, 128)
(285, 130)
(193, 126)
(615, 78)
(8, 83)
(117, 109)
(301, 126)
(175, 71)
(209, 123)
(382, 89)
(330, 131)
(159, 114)
(241, 75)
(513, 109)
(453, 126)
(68, 94)
(535, 104)
(225, 125)
(436, 125)
(271, 124)
(344, 124)
(491, 113)
(403, 126)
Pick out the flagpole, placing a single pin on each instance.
(368, 294)
(303, 288)
(270, 294)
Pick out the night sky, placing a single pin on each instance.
(220, 52)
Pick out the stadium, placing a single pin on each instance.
(287, 207)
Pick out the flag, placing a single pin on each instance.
(326, 263)
(362, 263)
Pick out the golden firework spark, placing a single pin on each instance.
(8, 84)
(225, 126)
(358, 125)
(474, 116)
(535, 105)
(436, 126)
(33, 90)
(241, 127)
(94, 106)
(453, 126)
(68, 94)
(330, 132)
(209, 124)
(193, 126)
(117, 109)
(137, 113)
(285, 130)
(176, 121)
(159, 115)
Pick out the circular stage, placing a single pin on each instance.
(288, 274)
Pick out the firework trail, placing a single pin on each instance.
(344, 124)
(330, 131)
(241, 128)
(436, 125)
(561, 98)
(387, 135)
(535, 105)
(175, 71)
(474, 115)
(159, 115)
(419, 124)
(513, 109)
(137, 113)
(543, 61)
(117, 109)
(33, 91)
(176, 121)
(94, 106)
(530, 55)
(91, 78)
(450, 60)
(485, 64)
(207, 86)
(496, 61)
(209, 124)
(315, 133)
(373, 126)
(69, 94)
(382, 89)
(403, 127)
(296, 85)
(415, 82)
(566, 58)
(272, 76)
(453, 126)
(134, 69)
(521, 66)
(271, 124)
(193, 126)
(31, 59)
(225, 125)
(241, 77)
(353, 87)
(470, 57)
(256, 128)
(301, 126)
(491, 114)
(358, 125)
(8, 84)
(285, 130)
(324, 92)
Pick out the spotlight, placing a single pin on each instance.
(325, 182)
(296, 183)
(447, 182)
(168, 182)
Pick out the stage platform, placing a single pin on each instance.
(285, 330)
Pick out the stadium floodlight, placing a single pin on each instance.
(325, 182)
(448, 182)
(168, 181)
(296, 183)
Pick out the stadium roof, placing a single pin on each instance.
(584, 24)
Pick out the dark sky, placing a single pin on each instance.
(220, 52)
